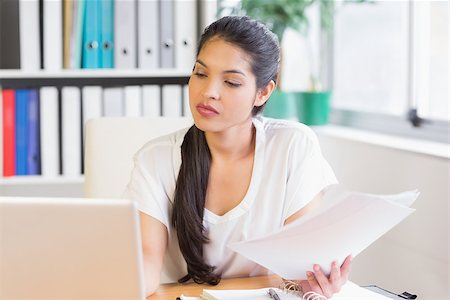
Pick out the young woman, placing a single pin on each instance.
(232, 176)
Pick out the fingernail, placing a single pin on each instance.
(309, 274)
(316, 268)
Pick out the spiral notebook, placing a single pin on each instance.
(350, 291)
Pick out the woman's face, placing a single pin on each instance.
(222, 88)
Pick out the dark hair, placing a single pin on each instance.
(263, 49)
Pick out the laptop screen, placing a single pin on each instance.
(66, 248)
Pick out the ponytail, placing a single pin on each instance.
(189, 204)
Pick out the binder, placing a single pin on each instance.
(21, 119)
(113, 105)
(208, 13)
(9, 33)
(125, 56)
(171, 100)
(33, 155)
(148, 34)
(92, 104)
(49, 131)
(185, 33)
(133, 101)
(68, 23)
(91, 35)
(186, 108)
(76, 37)
(9, 134)
(71, 131)
(52, 35)
(151, 100)
(29, 35)
(106, 34)
(167, 44)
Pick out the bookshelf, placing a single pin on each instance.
(72, 186)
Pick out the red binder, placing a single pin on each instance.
(9, 136)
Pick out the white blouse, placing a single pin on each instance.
(288, 172)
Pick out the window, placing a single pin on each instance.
(390, 61)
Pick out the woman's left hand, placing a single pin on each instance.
(318, 282)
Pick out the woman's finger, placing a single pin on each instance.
(345, 268)
(314, 285)
(335, 276)
(323, 281)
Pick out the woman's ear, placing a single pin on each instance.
(263, 94)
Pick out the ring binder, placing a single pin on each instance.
(291, 287)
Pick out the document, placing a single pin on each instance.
(347, 223)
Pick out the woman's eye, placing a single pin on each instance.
(199, 74)
(233, 84)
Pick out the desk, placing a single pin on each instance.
(173, 290)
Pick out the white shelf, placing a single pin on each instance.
(32, 180)
(94, 73)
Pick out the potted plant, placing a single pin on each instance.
(309, 106)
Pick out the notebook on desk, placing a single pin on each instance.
(67, 249)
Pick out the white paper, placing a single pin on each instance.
(346, 225)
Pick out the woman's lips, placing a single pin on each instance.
(206, 110)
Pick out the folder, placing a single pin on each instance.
(148, 34)
(52, 35)
(125, 56)
(151, 100)
(29, 34)
(133, 101)
(68, 22)
(49, 131)
(167, 44)
(91, 104)
(33, 155)
(9, 134)
(186, 107)
(21, 119)
(106, 34)
(76, 37)
(208, 13)
(91, 35)
(185, 33)
(9, 32)
(113, 105)
(71, 131)
(171, 100)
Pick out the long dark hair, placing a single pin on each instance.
(263, 49)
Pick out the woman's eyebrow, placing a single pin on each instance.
(226, 71)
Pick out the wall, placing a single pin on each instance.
(414, 256)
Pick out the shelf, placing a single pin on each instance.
(17, 79)
(32, 180)
(93, 73)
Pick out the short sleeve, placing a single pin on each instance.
(146, 187)
(310, 174)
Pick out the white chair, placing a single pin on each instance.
(109, 148)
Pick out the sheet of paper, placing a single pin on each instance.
(350, 291)
(347, 224)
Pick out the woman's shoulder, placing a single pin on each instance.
(278, 129)
(162, 146)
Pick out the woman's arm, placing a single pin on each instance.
(154, 242)
(317, 281)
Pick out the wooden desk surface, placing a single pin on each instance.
(173, 290)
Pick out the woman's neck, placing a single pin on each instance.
(234, 143)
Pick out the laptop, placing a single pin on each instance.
(67, 249)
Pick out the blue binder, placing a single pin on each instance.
(21, 132)
(33, 153)
(107, 34)
(91, 34)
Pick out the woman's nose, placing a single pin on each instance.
(211, 90)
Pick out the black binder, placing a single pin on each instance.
(392, 295)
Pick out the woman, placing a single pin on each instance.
(233, 175)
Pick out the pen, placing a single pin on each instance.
(273, 294)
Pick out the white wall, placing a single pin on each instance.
(414, 256)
